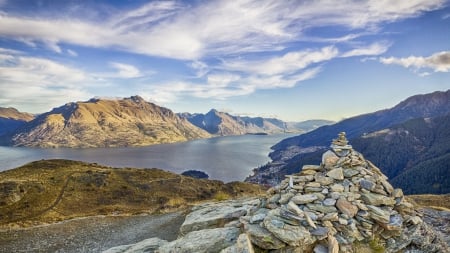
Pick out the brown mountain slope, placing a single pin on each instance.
(14, 114)
(107, 123)
(54, 190)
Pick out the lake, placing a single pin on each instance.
(230, 158)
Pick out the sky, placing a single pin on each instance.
(294, 60)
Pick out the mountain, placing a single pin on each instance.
(11, 119)
(413, 153)
(221, 123)
(106, 123)
(427, 105)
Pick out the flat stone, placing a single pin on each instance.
(319, 196)
(307, 172)
(242, 245)
(350, 172)
(329, 159)
(337, 174)
(329, 202)
(333, 245)
(379, 214)
(285, 198)
(312, 184)
(366, 184)
(291, 206)
(320, 248)
(398, 193)
(322, 180)
(203, 241)
(330, 217)
(147, 245)
(312, 167)
(321, 208)
(377, 199)
(291, 235)
(337, 188)
(262, 238)
(313, 189)
(303, 199)
(395, 222)
(387, 186)
(319, 231)
(346, 207)
(259, 215)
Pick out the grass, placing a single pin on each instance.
(439, 202)
(48, 191)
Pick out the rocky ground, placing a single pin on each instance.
(93, 234)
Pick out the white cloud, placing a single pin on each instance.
(39, 83)
(126, 70)
(439, 62)
(288, 63)
(72, 53)
(186, 31)
(376, 48)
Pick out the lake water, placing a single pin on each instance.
(230, 158)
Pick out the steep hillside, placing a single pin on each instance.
(221, 123)
(419, 106)
(53, 190)
(106, 123)
(414, 154)
(11, 119)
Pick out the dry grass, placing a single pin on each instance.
(54, 190)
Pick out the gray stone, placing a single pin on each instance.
(324, 180)
(350, 172)
(262, 238)
(395, 222)
(313, 189)
(312, 167)
(398, 193)
(285, 198)
(303, 199)
(329, 202)
(387, 186)
(259, 215)
(330, 217)
(291, 235)
(242, 245)
(378, 214)
(210, 215)
(319, 231)
(202, 241)
(366, 184)
(321, 208)
(313, 184)
(147, 245)
(377, 199)
(320, 248)
(337, 174)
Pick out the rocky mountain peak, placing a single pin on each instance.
(345, 204)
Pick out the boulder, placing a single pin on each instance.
(147, 245)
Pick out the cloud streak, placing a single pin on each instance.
(438, 62)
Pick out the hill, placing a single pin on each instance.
(419, 106)
(221, 123)
(106, 123)
(54, 190)
(413, 153)
(11, 119)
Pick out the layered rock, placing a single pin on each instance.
(337, 206)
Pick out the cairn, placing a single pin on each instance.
(343, 200)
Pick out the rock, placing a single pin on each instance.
(285, 198)
(346, 207)
(211, 215)
(202, 241)
(259, 215)
(348, 173)
(395, 223)
(243, 245)
(377, 199)
(322, 180)
(291, 235)
(387, 186)
(329, 159)
(147, 245)
(337, 188)
(329, 202)
(262, 238)
(337, 174)
(321, 208)
(309, 221)
(291, 206)
(366, 184)
(303, 199)
(319, 231)
(333, 246)
(320, 248)
(330, 217)
(379, 214)
(398, 193)
(312, 167)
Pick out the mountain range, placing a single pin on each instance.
(222, 123)
(410, 142)
(128, 122)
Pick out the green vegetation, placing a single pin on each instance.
(54, 190)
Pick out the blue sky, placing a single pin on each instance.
(295, 60)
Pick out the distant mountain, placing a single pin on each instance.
(428, 105)
(221, 123)
(11, 119)
(106, 123)
(414, 152)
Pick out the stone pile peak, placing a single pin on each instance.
(333, 207)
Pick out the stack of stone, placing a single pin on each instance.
(324, 208)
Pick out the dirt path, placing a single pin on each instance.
(92, 234)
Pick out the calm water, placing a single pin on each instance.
(230, 158)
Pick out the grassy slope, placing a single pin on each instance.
(54, 190)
